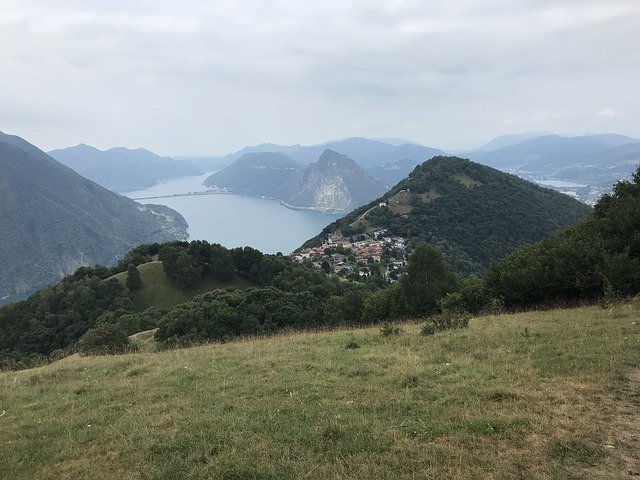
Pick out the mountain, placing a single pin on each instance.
(474, 212)
(584, 167)
(392, 173)
(54, 220)
(122, 169)
(263, 174)
(541, 153)
(507, 140)
(366, 152)
(333, 183)
(612, 139)
(336, 183)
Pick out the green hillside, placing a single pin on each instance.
(54, 220)
(160, 291)
(547, 395)
(476, 214)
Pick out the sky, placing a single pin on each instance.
(209, 77)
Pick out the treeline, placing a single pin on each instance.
(59, 319)
(287, 295)
(598, 258)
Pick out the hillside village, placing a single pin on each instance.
(362, 255)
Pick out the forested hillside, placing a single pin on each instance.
(476, 214)
(54, 220)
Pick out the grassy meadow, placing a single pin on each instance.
(551, 395)
(160, 291)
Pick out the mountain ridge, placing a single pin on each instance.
(474, 212)
(123, 169)
(55, 220)
(334, 183)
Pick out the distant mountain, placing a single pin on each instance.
(612, 139)
(121, 169)
(541, 152)
(367, 153)
(264, 174)
(392, 173)
(336, 183)
(333, 183)
(585, 166)
(475, 213)
(507, 140)
(54, 220)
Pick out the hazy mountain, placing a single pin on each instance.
(121, 169)
(612, 139)
(262, 148)
(272, 175)
(391, 173)
(475, 213)
(585, 166)
(54, 220)
(507, 140)
(366, 152)
(541, 152)
(333, 183)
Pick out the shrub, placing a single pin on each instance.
(105, 339)
(445, 321)
(389, 329)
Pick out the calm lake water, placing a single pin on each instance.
(235, 221)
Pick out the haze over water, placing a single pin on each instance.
(233, 220)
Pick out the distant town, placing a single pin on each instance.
(359, 256)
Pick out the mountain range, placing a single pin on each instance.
(334, 183)
(54, 220)
(367, 153)
(475, 213)
(584, 167)
(122, 169)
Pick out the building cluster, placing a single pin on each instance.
(366, 254)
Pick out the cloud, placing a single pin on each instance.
(202, 77)
(608, 112)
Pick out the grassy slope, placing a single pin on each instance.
(159, 291)
(535, 395)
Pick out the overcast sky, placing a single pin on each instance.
(207, 77)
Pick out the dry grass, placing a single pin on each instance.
(535, 395)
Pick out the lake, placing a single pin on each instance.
(233, 220)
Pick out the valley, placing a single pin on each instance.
(235, 220)
(284, 240)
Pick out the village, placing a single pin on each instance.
(358, 257)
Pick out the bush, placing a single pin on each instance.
(445, 321)
(105, 339)
(389, 329)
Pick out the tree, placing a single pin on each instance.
(221, 262)
(134, 282)
(105, 339)
(186, 272)
(325, 266)
(427, 279)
